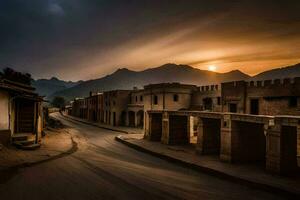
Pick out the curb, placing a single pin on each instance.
(268, 188)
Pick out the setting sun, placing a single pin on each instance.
(212, 68)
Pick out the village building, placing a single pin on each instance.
(269, 97)
(79, 108)
(207, 98)
(167, 97)
(115, 107)
(68, 109)
(94, 106)
(135, 109)
(224, 120)
(21, 116)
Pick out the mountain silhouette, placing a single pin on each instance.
(124, 78)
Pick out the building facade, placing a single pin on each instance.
(135, 109)
(21, 115)
(79, 108)
(130, 107)
(115, 107)
(270, 97)
(94, 107)
(207, 98)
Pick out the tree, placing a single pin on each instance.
(12, 75)
(58, 102)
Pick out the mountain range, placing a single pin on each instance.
(127, 79)
(124, 78)
(46, 87)
(279, 73)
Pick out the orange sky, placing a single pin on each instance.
(87, 39)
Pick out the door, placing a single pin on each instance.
(233, 107)
(24, 120)
(114, 119)
(254, 106)
(207, 103)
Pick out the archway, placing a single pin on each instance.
(131, 118)
(123, 118)
(207, 103)
(140, 118)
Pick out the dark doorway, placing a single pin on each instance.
(24, 121)
(289, 150)
(131, 118)
(106, 117)
(211, 136)
(109, 117)
(123, 118)
(156, 127)
(207, 102)
(178, 130)
(140, 118)
(114, 119)
(233, 107)
(250, 142)
(254, 106)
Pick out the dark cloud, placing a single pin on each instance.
(88, 38)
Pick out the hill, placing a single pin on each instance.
(127, 79)
(46, 87)
(279, 73)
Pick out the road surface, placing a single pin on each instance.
(102, 168)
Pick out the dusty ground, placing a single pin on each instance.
(102, 168)
(186, 155)
(56, 142)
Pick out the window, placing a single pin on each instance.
(254, 106)
(141, 98)
(293, 102)
(219, 100)
(175, 97)
(233, 107)
(155, 100)
(207, 103)
(136, 98)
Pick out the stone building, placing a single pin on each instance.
(270, 97)
(79, 108)
(68, 109)
(168, 97)
(115, 107)
(21, 116)
(135, 109)
(270, 142)
(207, 98)
(94, 106)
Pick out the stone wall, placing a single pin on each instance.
(208, 136)
(275, 97)
(178, 130)
(115, 104)
(4, 108)
(199, 97)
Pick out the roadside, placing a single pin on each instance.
(186, 156)
(56, 143)
(251, 175)
(121, 129)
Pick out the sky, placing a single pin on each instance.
(87, 39)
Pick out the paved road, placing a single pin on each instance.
(102, 168)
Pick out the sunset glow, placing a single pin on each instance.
(212, 68)
(250, 36)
